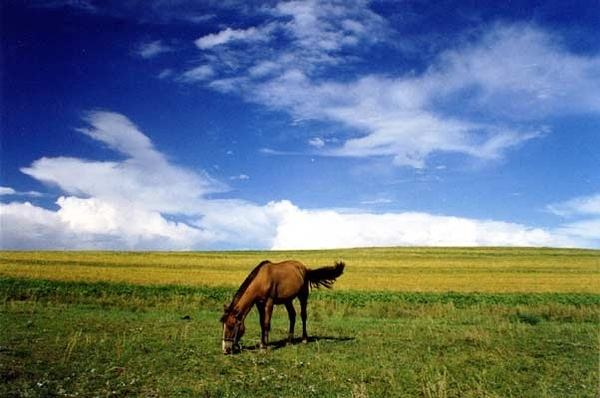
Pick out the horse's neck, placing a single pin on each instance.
(243, 304)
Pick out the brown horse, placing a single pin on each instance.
(273, 283)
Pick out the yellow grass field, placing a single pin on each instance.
(501, 270)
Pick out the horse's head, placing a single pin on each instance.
(233, 330)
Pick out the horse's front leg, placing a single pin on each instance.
(292, 314)
(266, 323)
(260, 306)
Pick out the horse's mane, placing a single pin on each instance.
(244, 285)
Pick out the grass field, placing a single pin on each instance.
(377, 269)
(400, 322)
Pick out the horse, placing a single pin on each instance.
(269, 284)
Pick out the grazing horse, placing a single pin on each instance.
(273, 283)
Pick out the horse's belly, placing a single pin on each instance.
(286, 291)
(283, 300)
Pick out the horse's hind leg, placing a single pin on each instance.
(303, 297)
(292, 314)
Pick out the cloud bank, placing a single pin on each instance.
(146, 202)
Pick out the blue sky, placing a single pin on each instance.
(299, 124)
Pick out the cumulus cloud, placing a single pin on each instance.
(120, 203)
(140, 202)
(140, 178)
(303, 229)
(25, 226)
(145, 202)
(91, 224)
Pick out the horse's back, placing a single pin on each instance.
(285, 279)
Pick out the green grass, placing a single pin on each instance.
(117, 339)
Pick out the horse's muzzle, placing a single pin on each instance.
(229, 347)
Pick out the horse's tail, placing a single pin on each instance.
(325, 276)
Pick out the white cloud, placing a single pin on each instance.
(324, 27)
(263, 68)
(228, 35)
(165, 73)
(199, 18)
(584, 215)
(10, 191)
(130, 222)
(378, 201)
(583, 205)
(243, 224)
(481, 98)
(317, 142)
(152, 49)
(524, 68)
(199, 73)
(140, 178)
(586, 229)
(315, 34)
(118, 204)
(23, 225)
(303, 229)
(240, 177)
(7, 191)
(82, 5)
(132, 203)
(145, 202)
(516, 74)
(92, 224)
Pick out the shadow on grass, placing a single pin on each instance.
(276, 345)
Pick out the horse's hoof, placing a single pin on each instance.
(305, 340)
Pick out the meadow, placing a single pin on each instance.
(401, 322)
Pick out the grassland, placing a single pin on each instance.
(376, 269)
(400, 323)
